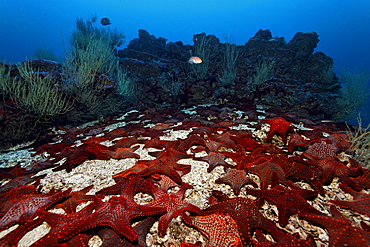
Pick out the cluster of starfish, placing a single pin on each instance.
(287, 167)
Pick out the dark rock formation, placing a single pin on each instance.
(304, 82)
(299, 80)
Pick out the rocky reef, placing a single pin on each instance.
(266, 70)
(302, 80)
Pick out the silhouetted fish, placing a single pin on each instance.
(105, 21)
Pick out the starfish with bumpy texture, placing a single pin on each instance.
(26, 207)
(220, 229)
(8, 199)
(266, 171)
(111, 238)
(335, 168)
(278, 125)
(236, 179)
(363, 180)
(77, 197)
(244, 160)
(284, 240)
(12, 238)
(171, 153)
(296, 140)
(122, 153)
(127, 186)
(247, 142)
(340, 229)
(164, 166)
(246, 214)
(214, 159)
(322, 151)
(360, 203)
(173, 203)
(116, 213)
(288, 201)
(310, 174)
(60, 223)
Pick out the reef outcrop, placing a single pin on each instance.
(302, 80)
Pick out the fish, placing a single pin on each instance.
(105, 21)
(195, 60)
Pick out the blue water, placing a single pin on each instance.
(343, 26)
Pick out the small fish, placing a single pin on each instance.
(105, 21)
(195, 60)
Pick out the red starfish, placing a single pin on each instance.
(164, 166)
(172, 153)
(246, 142)
(12, 238)
(224, 137)
(202, 131)
(174, 204)
(296, 140)
(127, 186)
(137, 168)
(127, 142)
(18, 182)
(156, 143)
(15, 194)
(288, 201)
(308, 173)
(220, 229)
(341, 232)
(116, 213)
(335, 168)
(12, 172)
(363, 180)
(25, 207)
(51, 149)
(266, 172)
(244, 160)
(60, 223)
(284, 239)
(236, 179)
(191, 140)
(246, 214)
(214, 159)
(111, 238)
(75, 156)
(122, 153)
(360, 203)
(278, 125)
(322, 151)
(76, 198)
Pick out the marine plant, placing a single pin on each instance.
(202, 49)
(228, 63)
(86, 30)
(92, 54)
(126, 87)
(265, 71)
(353, 95)
(360, 144)
(36, 92)
(4, 78)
